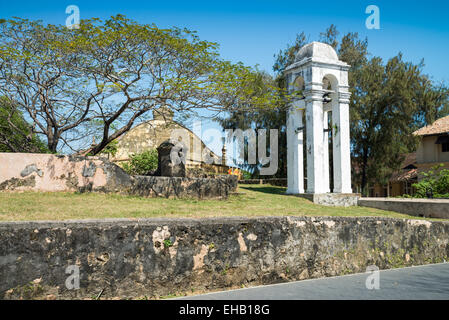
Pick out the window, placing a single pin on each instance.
(444, 141)
(445, 147)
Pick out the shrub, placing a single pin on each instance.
(435, 181)
(144, 163)
(246, 175)
(111, 149)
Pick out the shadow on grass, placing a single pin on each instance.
(266, 189)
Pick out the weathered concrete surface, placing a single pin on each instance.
(150, 134)
(178, 187)
(48, 172)
(130, 258)
(332, 199)
(429, 208)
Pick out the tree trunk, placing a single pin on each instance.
(364, 178)
(52, 141)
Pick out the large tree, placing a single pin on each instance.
(104, 77)
(389, 101)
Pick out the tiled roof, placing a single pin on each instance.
(404, 175)
(439, 126)
(409, 160)
(408, 174)
(408, 169)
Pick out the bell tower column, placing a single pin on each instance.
(315, 139)
(341, 145)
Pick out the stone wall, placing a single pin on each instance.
(130, 258)
(429, 208)
(178, 187)
(47, 172)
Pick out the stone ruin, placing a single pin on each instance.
(52, 173)
(166, 166)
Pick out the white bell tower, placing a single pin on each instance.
(321, 81)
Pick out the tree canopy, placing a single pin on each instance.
(104, 77)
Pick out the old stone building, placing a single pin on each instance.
(151, 134)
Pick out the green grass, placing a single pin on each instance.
(255, 200)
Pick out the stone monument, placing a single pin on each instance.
(166, 166)
(320, 81)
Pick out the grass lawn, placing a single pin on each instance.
(256, 200)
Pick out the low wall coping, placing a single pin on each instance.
(428, 208)
(418, 200)
(188, 221)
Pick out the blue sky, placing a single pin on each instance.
(253, 31)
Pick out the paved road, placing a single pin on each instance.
(423, 282)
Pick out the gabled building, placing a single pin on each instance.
(434, 147)
(151, 134)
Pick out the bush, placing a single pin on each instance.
(142, 164)
(246, 175)
(111, 149)
(435, 181)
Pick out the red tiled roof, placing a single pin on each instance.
(408, 169)
(405, 175)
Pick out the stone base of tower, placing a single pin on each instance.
(332, 199)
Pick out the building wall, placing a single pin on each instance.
(429, 152)
(397, 188)
(377, 191)
(427, 155)
(48, 172)
(151, 134)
